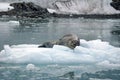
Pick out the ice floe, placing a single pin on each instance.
(94, 52)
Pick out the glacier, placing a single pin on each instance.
(84, 7)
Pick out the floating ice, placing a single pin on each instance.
(14, 22)
(5, 7)
(93, 52)
(30, 67)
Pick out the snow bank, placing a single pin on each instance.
(85, 7)
(51, 10)
(93, 52)
(5, 7)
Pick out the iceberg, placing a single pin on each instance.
(94, 52)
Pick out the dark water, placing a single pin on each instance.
(36, 31)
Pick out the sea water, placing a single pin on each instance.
(21, 59)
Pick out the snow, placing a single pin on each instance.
(51, 10)
(5, 7)
(85, 7)
(93, 52)
(75, 7)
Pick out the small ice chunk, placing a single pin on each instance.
(30, 67)
(14, 22)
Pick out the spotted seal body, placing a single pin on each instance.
(69, 40)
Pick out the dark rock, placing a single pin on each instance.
(69, 40)
(27, 7)
(115, 4)
(115, 32)
(91, 16)
(115, 0)
(26, 10)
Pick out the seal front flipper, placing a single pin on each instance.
(46, 45)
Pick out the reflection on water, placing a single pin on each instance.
(115, 35)
(36, 31)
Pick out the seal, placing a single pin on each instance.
(69, 40)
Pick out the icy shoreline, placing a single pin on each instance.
(91, 16)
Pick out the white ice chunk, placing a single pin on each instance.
(14, 22)
(5, 7)
(93, 52)
(30, 67)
